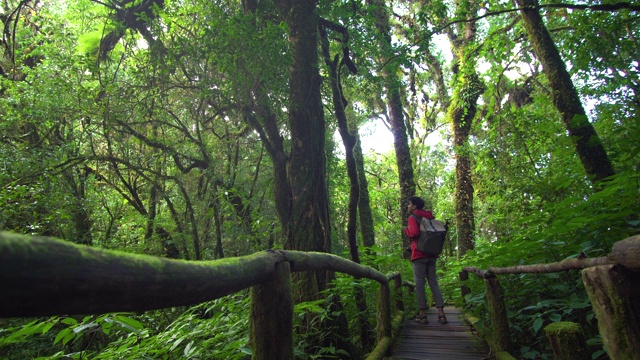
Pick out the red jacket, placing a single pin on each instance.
(413, 232)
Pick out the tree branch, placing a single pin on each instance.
(608, 7)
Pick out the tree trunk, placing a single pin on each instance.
(394, 104)
(217, 220)
(154, 197)
(309, 228)
(465, 218)
(592, 153)
(461, 112)
(189, 213)
(350, 141)
(76, 181)
(364, 203)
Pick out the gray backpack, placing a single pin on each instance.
(432, 235)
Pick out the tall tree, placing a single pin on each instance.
(462, 111)
(307, 228)
(349, 140)
(392, 84)
(589, 148)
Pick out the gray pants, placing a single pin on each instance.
(426, 267)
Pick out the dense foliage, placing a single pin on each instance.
(125, 125)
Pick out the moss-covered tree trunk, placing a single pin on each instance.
(462, 111)
(307, 228)
(392, 84)
(462, 115)
(301, 195)
(592, 153)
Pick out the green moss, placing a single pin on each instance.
(29, 246)
(562, 326)
(567, 340)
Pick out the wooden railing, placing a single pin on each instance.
(613, 285)
(43, 277)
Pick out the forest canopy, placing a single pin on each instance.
(208, 129)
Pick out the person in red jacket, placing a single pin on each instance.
(424, 265)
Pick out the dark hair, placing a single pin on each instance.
(417, 201)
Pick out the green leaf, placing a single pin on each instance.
(597, 354)
(537, 324)
(84, 327)
(25, 331)
(47, 326)
(129, 324)
(189, 350)
(69, 321)
(133, 323)
(175, 344)
(89, 42)
(61, 335)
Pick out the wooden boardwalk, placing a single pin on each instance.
(453, 340)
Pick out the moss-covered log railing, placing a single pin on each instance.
(613, 285)
(42, 276)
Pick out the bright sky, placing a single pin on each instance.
(375, 137)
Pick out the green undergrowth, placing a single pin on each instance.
(215, 329)
(578, 226)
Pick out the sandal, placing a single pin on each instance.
(442, 319)
(421, 319)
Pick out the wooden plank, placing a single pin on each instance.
(453, 340)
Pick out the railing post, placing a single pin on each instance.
(614, 292)
(272, 316)
(464, 289)
(567, 341)
(384, 312)
(498, 314)
(397, 288)
(366, 337)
